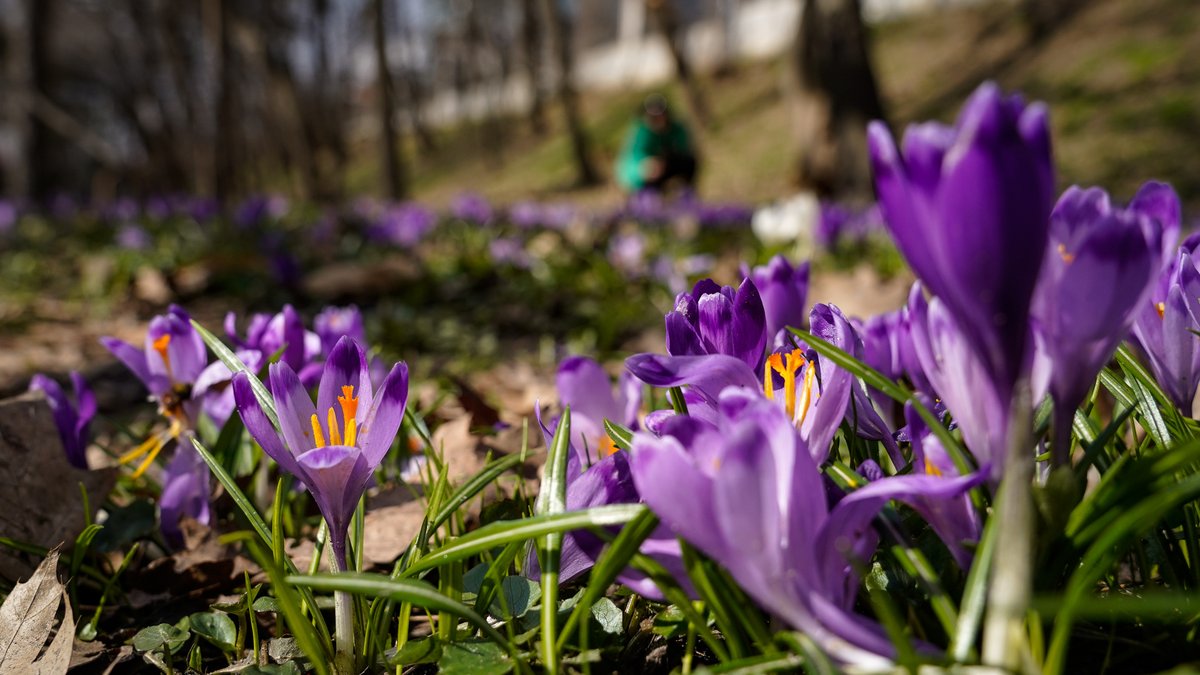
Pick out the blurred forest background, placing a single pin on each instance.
(325, 99)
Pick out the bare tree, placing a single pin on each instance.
(393, 165)
(665, 16)
(558, 34)
(835, 96)
(531, 42)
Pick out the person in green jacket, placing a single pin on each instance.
(657, 151)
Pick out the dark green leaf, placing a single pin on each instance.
(215, 627)
(155, 638)
(473, 657)
(425, 650)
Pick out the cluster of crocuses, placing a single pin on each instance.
(1017, 295)
(174, 366)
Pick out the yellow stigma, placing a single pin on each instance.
(349, 404)
(160, 345)
(1161, 307)
(1067, 257)
(810, 376)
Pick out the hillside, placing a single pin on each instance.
(1122, 78)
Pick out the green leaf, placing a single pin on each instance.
(517, 596)
(609, 616)
(552, 500)
(215, 627)
(473, 657)
(507, 531)
(424, 650)
(611, 563)
(266, 604)
(621, 435)
(472, 487)
(419, 593)
(260, 527)
(155, 638)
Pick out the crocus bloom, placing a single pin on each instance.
(1163, 326)
(334, 452)
(472, 208)
(334, 323)
(718, 320)
(173, 358)
(607, 481)
(969, 208)
(784, 289)
(584, 386)
(72, 418)
(171, 363)
(747, 492)
(814, 392)
(1099, 270)
(960, 378)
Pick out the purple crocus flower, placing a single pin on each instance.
(334, 323)
(784, 290)
(170, 365)
(748, 493)
(8, 215)
(718, 320)
(584, 386)
(607, 481)
(509, 251)
(969, 208)
(1163, 326)
(403, 224)
(814, 392)
(472, 208)
(133, 237)
(72, 417)
(333, 453)
(1099, 270)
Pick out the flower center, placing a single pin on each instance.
(349, 405)
(1161, 308)
(1066, 256)
(787, 366)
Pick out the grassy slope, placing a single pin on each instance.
(1122, 78)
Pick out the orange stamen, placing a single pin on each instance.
(1161, 307)
(160, 345)
(608, 447)
(1067, 257)
(349, 403)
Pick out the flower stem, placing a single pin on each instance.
(343, 611)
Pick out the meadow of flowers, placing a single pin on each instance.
(1003, 473)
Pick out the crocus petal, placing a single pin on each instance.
(259, 426)
(185, 491)
(378, 429)
(583, 385)
(1159, 202)
(336, 475)
(677, 491)
(346, 366)
(66, 419)
(135, 360)
(294, 408)
(707, 374)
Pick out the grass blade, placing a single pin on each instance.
(551, 500)
(235, 364)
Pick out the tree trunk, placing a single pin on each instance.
(558, 34)
(531, 43)
(42, 141)
(666, 18)
(226, 165)
(15, 158)
(835, 97)
(393, 167)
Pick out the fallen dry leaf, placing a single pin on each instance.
(27, 619)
